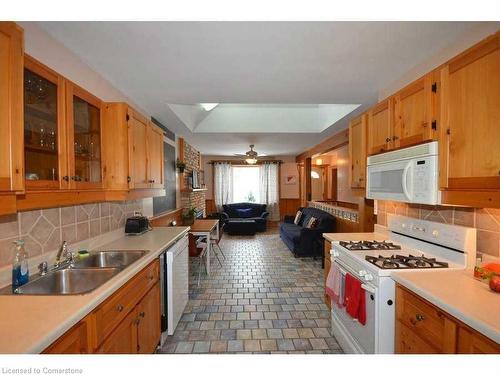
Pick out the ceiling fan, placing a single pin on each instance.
(250, 156)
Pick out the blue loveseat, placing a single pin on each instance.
(251, 211)
(306, 242)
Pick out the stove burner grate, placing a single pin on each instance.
(400, 261)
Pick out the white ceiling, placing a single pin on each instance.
(166, 67)
(261, 118)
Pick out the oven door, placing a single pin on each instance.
(390, 181)
(354, 337)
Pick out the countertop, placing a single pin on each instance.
(460, 295)
(29, 324)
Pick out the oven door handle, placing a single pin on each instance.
(344, 268)
(368, 288)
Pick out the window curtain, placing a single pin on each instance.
(223, 185)
(269, 189)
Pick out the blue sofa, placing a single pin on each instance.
(250, 211)
(306, 242)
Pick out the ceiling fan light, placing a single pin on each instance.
(251, 161)
(209, 106)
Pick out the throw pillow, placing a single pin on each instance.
(244, 212)
(298, 215)
(312, 223)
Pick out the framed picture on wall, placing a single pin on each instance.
(290, 180)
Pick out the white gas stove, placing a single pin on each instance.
(411, 245)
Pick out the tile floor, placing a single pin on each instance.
(262, 300)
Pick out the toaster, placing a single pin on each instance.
(136, 225)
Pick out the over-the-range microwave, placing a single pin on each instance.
(406, 175)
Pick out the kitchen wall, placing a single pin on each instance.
(344, 191)
(44, 230)
(486, 220)
(288, 167)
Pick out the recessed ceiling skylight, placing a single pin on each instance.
(209, 106)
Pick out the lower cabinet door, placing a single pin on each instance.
(123, 340)
(72, 342)
(149, 326)
(470, 342)
(408, 342)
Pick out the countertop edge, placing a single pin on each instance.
(478, 325)
(117, 282)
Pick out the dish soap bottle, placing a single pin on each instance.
(20, 271)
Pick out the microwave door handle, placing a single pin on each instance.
(405, 181)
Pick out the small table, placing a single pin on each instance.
(203, 228)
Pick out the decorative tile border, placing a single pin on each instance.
(337, 211)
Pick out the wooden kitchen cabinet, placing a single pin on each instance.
(415, 117)
(155, 156)
(123, 340)
(149, 325)
(138, 151)
(83, 114)
(127, 322)
(134, 158)
(115, 151)
(470, 112)
(380, 127)
(422, 328)
(357, 151)
(11, 110)
(45, 131)
(75, 341)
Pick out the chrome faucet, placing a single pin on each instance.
(63, 253)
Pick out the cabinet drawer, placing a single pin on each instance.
(112, 311)
(423, 319)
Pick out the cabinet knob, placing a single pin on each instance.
(142, 314)
(65, 178)
(119, 308)
(395, 138)
(418, 318)
(137, 321)
(150, 277)
(387, 139)
(129, 178)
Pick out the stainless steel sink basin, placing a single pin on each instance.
(68, 281)
(120, 259)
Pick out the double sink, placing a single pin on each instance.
(83, 275)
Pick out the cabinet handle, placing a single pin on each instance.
(65, 178)
(142, 314)
(119, 308)
(418, 318)
(129, 178)
(387, 140)
(150, 277)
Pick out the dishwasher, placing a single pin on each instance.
(174, 285)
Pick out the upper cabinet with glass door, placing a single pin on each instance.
(84, 137)
(44, 128)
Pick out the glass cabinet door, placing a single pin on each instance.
(43, 127)
(84, 111)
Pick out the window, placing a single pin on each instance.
(246, 184)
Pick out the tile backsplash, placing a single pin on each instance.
(485, 220)
(44, 230)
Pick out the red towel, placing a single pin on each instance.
(354, 300)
